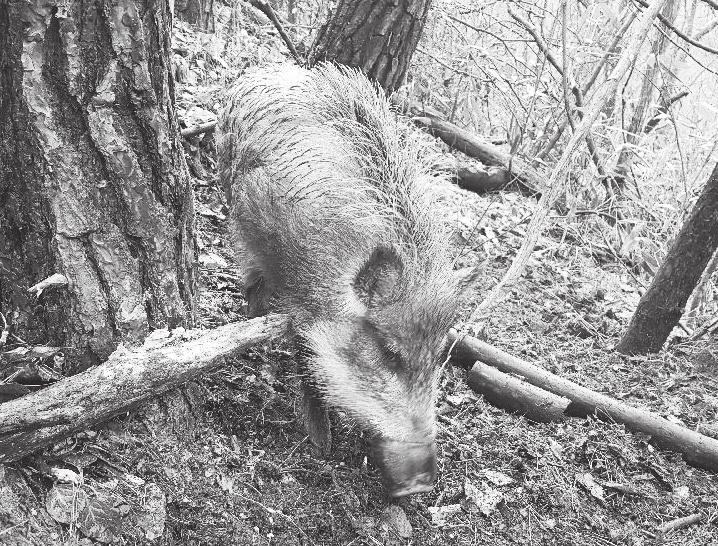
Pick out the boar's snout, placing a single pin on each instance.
(406, 467)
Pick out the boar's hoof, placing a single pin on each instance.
(406, 467)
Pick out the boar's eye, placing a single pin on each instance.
(387, 348)
(392, 355)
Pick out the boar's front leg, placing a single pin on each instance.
(314, 412)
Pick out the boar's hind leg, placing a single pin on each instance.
(255, 293)
(314, 412)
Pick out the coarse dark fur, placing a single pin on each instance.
(332, 213)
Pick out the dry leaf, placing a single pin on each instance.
(439, 514)
(587, 481)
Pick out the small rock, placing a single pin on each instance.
(63, 475)
(395, 518)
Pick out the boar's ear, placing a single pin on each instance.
(377, 280)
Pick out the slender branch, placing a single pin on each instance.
(5, 331)
(267, 10)
(557, 182)
(678, 33)
(594, 76)
(578, 95)
(611, 49)
(663, 109)
(711, 3)
(445, 65)
(564, 68)
(537, 38)
(706, 329)
(706, 29)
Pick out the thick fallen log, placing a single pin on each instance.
(526, 178)
(512, 394)
(698, 450)
(120, 384)
(481, 180)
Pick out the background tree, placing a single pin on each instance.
(378, 37)
(93, 182)
(196, 12)
(662, 305)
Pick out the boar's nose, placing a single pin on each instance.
(406, 467)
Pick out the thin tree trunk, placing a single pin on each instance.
(635, 128)
(93, 182)
(379, 37)
(662, 305)
(196, 12)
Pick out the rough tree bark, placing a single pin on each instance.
(662, 305)
(93, 183)
(378, 37)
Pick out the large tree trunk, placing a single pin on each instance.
(662, 305)
(93, 183)
(378, 37)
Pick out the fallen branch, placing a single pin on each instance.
(479, 179)
(512, 394)
(698, 450)
(469, 177)
(198, 129)
(679, 523)
(528, 179)
(126, 380)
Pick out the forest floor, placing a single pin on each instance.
(225, 460)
